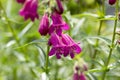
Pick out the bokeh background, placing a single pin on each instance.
(25, 59)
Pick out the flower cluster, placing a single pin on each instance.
(79, 69)
(29, 9)
(62, 44)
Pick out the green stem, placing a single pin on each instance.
(97, 43)
(56, 71)
(47, 59)
(113, 39)
(99, 32)
(9, 25)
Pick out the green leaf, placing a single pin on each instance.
(95, 70)
(20, 57)
(103, 39)
(108, 17)
(42, 55)
(118, 48)
(91, 77)
(77, 27)
(33, 42)
(10, 43)
(86, 15)
(34, 72)
(25, 30)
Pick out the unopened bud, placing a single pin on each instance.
(118, 41)
(111, 2)
(85, 67)
(60, 6)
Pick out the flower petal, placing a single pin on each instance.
(77, 48)
(59, 31)
(65, 26)
(58, 55)
(52, 52)
(76, 76)
(29, 10)
(66, 51)
(72, 55)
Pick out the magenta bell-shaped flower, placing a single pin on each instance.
(111, 2)
(63, 45)
(57, 24)
(29, 10)
(82, 76)
(76, 76)
(21, 1)
(57, 46)
(44, 25)
(60, 7)
(71, 47)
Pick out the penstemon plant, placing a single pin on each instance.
(59, 40)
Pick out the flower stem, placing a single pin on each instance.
(97, 43)
(99, 32)
(9, 25)
(113, 39)
(47, 59)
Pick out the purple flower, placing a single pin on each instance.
(21, 1)
(60, 7)
(57, 24)
(44, 25)
(76, 76)
(29, 10)
(111, 2)
(57, 46)
(71, 47)
(82, 76)
(63, 45)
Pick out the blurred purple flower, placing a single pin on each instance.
(57, 24)
(21, 1)
(82, 76)
(29, 10)
(57, 46)
(111, 2)
(71, 47)
(77, 68)
(60, 7)
(85, 67)
(76, 76)
(44, 25)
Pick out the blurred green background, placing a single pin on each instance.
(25, 59)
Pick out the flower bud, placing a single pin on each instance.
(82, 76)
(118, 41)
(60, 7)
(44, 25)
(111, 2)
(85, 67)
(76, 76)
